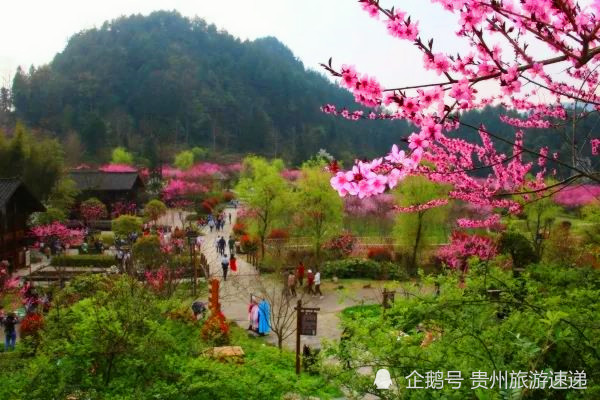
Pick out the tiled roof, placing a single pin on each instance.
(10, 186)
(105, 181)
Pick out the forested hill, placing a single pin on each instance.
(167, 82)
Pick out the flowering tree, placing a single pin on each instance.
(92, 209)
(462, 246)
(514, 50)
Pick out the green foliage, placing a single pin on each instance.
(111, 338)
(416, 230)
(320, 207)
(361, 268)
(38, 161)
(200, 153)
(547, 320)
(147, 253)
(154, 209)
(49, 216)
(518, 247)
(121, 156)
(184, 160)
(107, 238)
(83, 260)
(263, 189)
(540, 217)
(124, 225)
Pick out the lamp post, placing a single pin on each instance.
(191, 236)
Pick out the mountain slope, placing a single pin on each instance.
(164, 82)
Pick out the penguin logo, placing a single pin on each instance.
(383, 379)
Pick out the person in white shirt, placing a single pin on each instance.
(318, 284)
(225, 266)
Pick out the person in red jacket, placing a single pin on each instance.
(310, 281)
(233, 263)
(300, 273)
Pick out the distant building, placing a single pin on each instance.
(16, 205)
(108, 187)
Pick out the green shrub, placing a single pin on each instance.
(518, 247)
(85, 260)
(107, 238)
(360, 268)
(146, 251)
(126, 224)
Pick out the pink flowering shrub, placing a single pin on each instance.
(342, 245)
(48, 233)
(462, 246)
(577, 196)
(291, 175)
(123, 208)
(92, 209)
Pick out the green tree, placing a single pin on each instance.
(200, 153)
(320, 207)
(37, 161)
(121, 156)
(126, 224)
(60, 202)
(184, 160)
(420, 228)
(146, 252)
(540, 216)
(154, 209)
(264, 190)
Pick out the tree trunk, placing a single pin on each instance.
(413, 260)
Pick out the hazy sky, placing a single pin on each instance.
(33, 31)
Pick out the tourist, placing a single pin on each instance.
(291, 283)
(318, 284)
(231, 243)
(233, 263)
(222, 245)
(10, 333)
(198, 308)
(310, 280)
(230, 218)
(300, 273)
(225, 266)
(264, 317)
(211, 224)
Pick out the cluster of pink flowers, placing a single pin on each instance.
(577, 196)
(490, 222)
(6, 282)
(463, 246)
(196, 180)
(177, 188)
(595, 146)
(117, 168)
(291, 175)
(47, 233)
(423, 207)
(123, 208)
(379, 207)
(92, 211)
(569, 31)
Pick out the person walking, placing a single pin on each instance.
(229, 218)
(222, 245)
(300, 273)
(225, 266)
(318, 284)
(10, 332)
(310, 280)
(233, 263)
(231, 243)
(291, 283)
(211, 224)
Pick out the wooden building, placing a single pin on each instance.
(109, 187)
(16, 205)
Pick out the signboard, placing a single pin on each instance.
(27, 258)
(309, 322)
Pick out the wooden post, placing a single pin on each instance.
(298, 331)
(194, 266)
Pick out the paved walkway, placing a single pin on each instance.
(235, 292)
